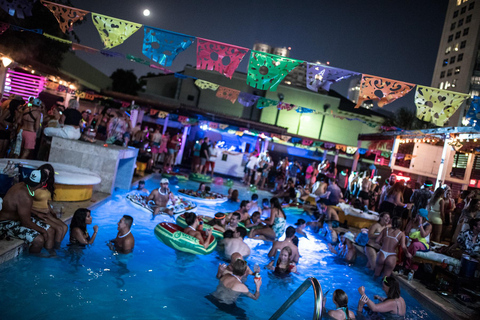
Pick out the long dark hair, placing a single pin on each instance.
(437, 195)
(50, 179)
(78, 220)
(217, 220)
(397, 187)
(393, 287)
(396, 222)
(341, 298)
(234, 196)
(276, 204)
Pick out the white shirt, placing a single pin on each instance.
(213, 153)
(252, 163)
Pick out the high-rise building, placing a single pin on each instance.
(457, 67)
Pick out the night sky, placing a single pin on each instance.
(392, 39)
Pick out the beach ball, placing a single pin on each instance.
(228, 182)
(218, 180)
(173, 180)
(253, 188)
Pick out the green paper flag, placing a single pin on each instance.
(265, 103)
(266, 71)
(113, 31)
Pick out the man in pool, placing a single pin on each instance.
(141, 187)
(233, 242)
(124, 242)
(16, 220)
(161, 196)
(231, 286)
(243, 211)
(254, 205)
(279, 245)
(234, 220)
(223, 269)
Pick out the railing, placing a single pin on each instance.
(317, 290)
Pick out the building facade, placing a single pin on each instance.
(457, 67)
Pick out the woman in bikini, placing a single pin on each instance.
(372, 248)
(218, 222)
(277, 221)
(436, 214)
(340, 299)
(392, 304)
(78, 228)
(390, 239)
(30, 123)
(285, 264)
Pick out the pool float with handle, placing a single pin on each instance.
(212, 197)
(295, 208)
(174, 237)
(181, 205)
(198, 177)
(180, 177)
(182, 223)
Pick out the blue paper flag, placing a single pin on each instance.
(473, 114)
(163, 46)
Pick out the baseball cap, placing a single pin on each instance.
(423, 213)
(350, 236)
(164, 180)
(428, 183)
(35, 178)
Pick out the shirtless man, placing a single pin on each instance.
(372, 247)
(16, 220)
(193, 229)
(233, 242)
(223, 269)
(231, 286)
(234, 220)
(161, 196)
(30, 123)
(141, 187)
(331, 222)
(363, 194)
(243, 211)
(254, 205)
(124, 241)
(279, 245)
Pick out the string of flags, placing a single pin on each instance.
(265, 71)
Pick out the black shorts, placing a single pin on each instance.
(363, 194)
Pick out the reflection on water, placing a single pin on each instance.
(160, 282)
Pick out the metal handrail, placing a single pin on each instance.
(317, 290)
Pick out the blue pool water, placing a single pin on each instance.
(158, 282)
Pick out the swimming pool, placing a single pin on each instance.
(156, 281)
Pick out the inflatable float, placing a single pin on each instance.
(296, 208)
(174, 237)
(180, 177)
(212, 197)
(198, 177)
(181, 205)
(182, 223)
(71, 183)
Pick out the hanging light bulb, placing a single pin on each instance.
(6, 61)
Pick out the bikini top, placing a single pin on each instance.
(344, 309)
(396, 237)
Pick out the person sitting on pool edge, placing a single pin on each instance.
(161, 196)
(279, 245)
(231, 286)
(78, 228)
(392, 304)
(124, 242)
(340, 299)
(233, 242)
(192, 229)
(16, 220)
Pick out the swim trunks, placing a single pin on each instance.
(14, 229)
(29, 139)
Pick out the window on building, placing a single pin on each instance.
(460, 57)
(452, 60)
(455, 14)
(463, 44)
(460, 22)
(457, 70)
(442, 74)
(468, 19)
(465, 31)
(449, 72)
(458, 34)
(471, 6)
(475, 80)
(452, 26)
(445, 62)
(463, 10)
(450, 38)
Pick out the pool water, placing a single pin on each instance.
(156, 281)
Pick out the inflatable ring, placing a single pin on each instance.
(198, 177)
(182, 223)
(228, 183)
(174, 237)
(253, 188)
(182, 205)
(214, 198)
(179, 176)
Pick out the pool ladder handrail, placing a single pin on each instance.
(317, 290)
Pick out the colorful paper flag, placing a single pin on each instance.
(221, 57)
(66, 16)
(473, 114)
(228, 94)
(319, 76)
(265, 103)
(113, 31)
(163, 46)
(57, 38)
(21, 8)
(304, 110)
(266, 71)
(285, 106)
(247, 99)
(202, 84)
(437, 106)
(381, 90)
(79, 47)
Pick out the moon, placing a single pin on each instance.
(146, 12)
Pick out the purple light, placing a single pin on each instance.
(24, 84)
